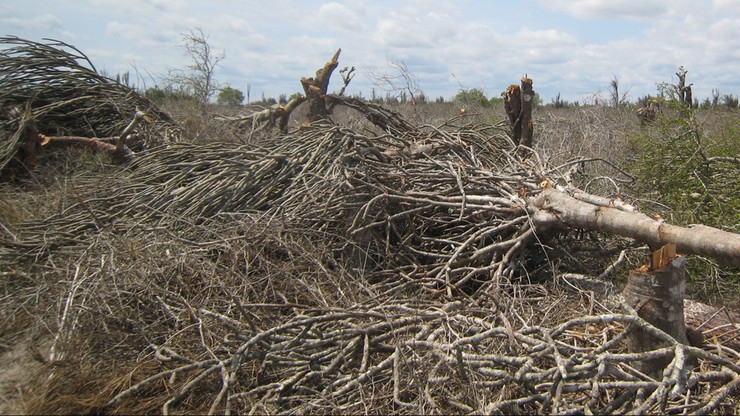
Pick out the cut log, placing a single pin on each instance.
(713, 326)
(555, 208)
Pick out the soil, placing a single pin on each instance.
(20, 366)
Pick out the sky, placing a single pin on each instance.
(574, 48)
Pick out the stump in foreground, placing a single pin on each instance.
(656, 293)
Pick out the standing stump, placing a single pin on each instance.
(656, 293)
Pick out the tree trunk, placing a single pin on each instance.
(527, 103)
(553, 208)
(518, 102)
(513, 107)
(656, 292)
(316, 89)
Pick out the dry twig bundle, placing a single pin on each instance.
(65, 96)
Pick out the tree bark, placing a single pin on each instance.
(513, 107)
(555, 208)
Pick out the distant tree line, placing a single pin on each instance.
(197, 83)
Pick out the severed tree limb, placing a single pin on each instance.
(121, 142)
(276, 114)
(114, 146)
(92, 144)
(552, 208)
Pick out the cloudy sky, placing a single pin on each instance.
(572, 47)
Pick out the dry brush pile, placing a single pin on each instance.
(333, 270)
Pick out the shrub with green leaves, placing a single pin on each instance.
(689, 163)
(693, 173)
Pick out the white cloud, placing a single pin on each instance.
(728, 6)
(571, 46)
(609, 9)
(340, 17)
(139, 6)
(45, 22)
(429, 30)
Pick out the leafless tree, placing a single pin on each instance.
(398, 81)
(198, 77)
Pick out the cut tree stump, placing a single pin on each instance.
(656, 291)
(316, 89)
(526, 116)
(518, 102)
(684, 91)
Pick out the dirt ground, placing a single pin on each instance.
(20, 366)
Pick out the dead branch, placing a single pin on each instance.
(276, 114)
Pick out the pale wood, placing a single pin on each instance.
(555, 208)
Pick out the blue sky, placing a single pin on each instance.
(571, 47)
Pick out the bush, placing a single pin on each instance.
(472, 96)
(230, 97)
(682, 167)
(694, 176)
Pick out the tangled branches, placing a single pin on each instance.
(446, 201)
(243, 314)
(406, 358)
(65, 95)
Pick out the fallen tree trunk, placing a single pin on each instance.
(552, 207)
(119, 154)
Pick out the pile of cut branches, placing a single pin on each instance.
(55, 88)
(246, 313)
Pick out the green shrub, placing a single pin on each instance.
(691, 170)
(677, 164)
